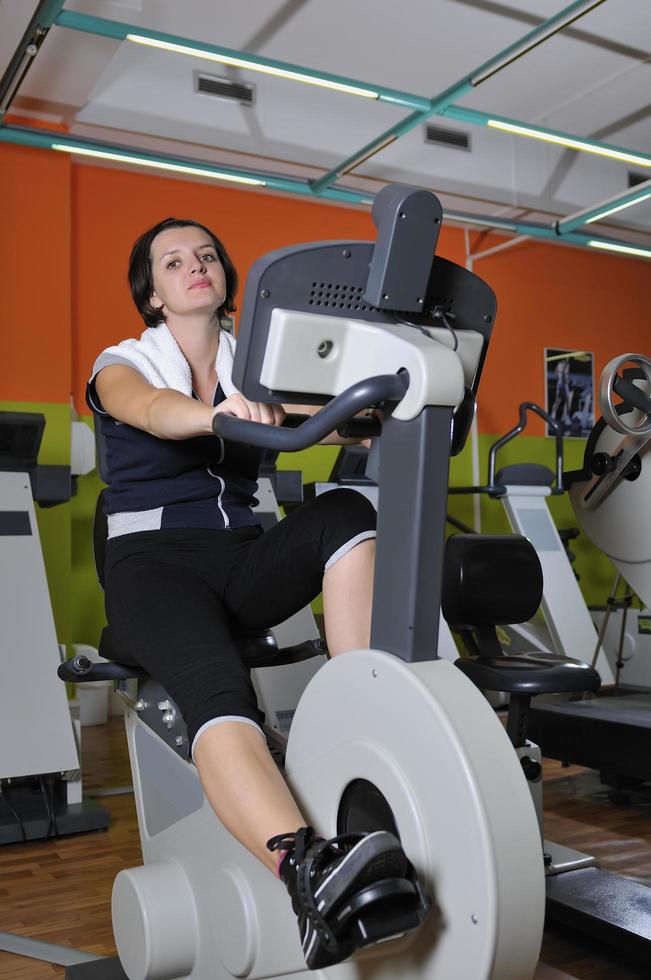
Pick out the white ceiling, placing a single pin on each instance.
(593, 80)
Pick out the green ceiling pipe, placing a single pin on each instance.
(48, 12)
(547, 232)
(617, 203)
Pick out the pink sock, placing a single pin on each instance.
(279, 860)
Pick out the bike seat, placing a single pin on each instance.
(492, 580)
(539, 673)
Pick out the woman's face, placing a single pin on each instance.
(187, 274)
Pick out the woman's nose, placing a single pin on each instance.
(198, 266)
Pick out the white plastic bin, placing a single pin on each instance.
(93, 699)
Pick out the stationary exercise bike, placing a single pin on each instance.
(391, 736)
(524, 490)
(610, 498)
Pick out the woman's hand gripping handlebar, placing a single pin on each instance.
(371, 391)
(237, 406)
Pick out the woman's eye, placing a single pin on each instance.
(173, 264)
(208, 257)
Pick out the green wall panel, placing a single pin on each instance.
(314, 463)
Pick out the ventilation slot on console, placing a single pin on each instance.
(338, 295)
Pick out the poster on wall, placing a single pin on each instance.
(569, 386)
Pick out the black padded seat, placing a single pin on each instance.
(525, 474)
(492, 580)
(536, 674)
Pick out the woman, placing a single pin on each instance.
(186, 561)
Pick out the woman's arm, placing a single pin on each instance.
(166, 413)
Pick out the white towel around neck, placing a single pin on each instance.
(158, 357)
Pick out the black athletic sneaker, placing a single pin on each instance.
(348, 892)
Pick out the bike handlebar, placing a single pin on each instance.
(522, 424)
(371, 391)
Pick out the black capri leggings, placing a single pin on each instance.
(173, 595)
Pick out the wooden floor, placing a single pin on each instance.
(60, 891)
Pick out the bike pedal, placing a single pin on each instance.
(385, 910)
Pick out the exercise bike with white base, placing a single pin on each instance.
(391, 736)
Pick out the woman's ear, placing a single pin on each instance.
(155, 302)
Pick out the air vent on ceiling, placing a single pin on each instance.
(224, 88)
(634, 179)
(455, 139)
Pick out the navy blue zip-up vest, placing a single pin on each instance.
(203, 482)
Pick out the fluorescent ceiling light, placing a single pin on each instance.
(570, 142)
(158, 164)
(644, 253)
(253, 65)
(620, 207)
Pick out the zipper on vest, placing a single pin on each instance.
(222, 488)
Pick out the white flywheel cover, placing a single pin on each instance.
(432, 745)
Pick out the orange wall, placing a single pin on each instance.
(554, 296)
(68, 230)
(35, 262)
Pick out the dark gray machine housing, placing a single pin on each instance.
(20, 441)
(349, 279)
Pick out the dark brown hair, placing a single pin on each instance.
(141, 279)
